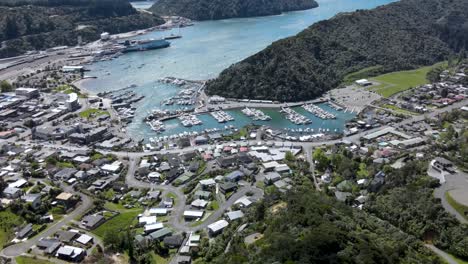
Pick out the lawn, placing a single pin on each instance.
(395, 82)
(121, 222)
(460, 208)
(92, 112)
(29, 260)
(156, 259)
(8, 221)
(399, 110)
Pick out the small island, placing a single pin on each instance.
(220, 9)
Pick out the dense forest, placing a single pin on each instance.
(306, 226)
(398, 36)
(309, 227)
(222, 9)
(37, 24)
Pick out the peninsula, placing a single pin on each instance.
(221, 9)
(398, 36)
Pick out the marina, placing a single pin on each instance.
(157, 126)
(256, 114)
(221, 116)
(218, 48)
(295, 117)
(189, 120)
(318, 112)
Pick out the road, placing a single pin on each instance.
(176, 219)
(457, 181)
(442, 254)
(310, 159)
(23, 247)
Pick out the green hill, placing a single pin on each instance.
(221, 9)
(39, 24)
(399, 36)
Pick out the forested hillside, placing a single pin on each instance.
(401, 35)
(38, 24)
(309, 227)
(221, 9)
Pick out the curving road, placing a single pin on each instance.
(21, 248)
(176, 219)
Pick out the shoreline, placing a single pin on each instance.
(79, 85)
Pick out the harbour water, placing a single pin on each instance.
(204, 51)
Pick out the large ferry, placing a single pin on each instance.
(148, 44)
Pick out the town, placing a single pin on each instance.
(75, 185)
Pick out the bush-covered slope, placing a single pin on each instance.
(36, 24)
(221, 9)
(398, 36)
(312, 228)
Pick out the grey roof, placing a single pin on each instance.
(234, 215)
(160, 233)
(235, 175)
(24, 231)
(92, 220)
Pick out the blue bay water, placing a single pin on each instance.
(204, 51)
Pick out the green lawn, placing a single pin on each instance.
(29, 260)
(461, 209)
(8, 221)
(121, 222)
(92, 112)
(156, 259)
(395, 82)
(399, 110)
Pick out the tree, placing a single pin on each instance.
(5, 87)
(289, 156)
(11, 28)
(322, 160)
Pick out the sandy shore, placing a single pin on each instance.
(79, 84)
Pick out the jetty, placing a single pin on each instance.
(295, 117)
(318, 112)
(190, 120)
(255, 114)
(221, 116)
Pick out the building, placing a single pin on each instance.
(234, 215)
(70, 253)
(85, 239)
(72, 69)
(65, 199)
(363, 82)
(217, 227)
(160, 234)
(228, 187)
(272, 177)
(235, 176)
(47, 132)
(27, 92)
(174, 241)
(12, 192)
(33, 198)
(105, 36)
(92, 221)
(25, 232)
(190, 214)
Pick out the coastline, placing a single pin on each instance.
(79, 85)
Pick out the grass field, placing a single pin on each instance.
(92, 112)
(29, 260)
(395, 82)
(156, 259)
(398, 110)
(123, 221)
(461, 209)
(8, 221)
